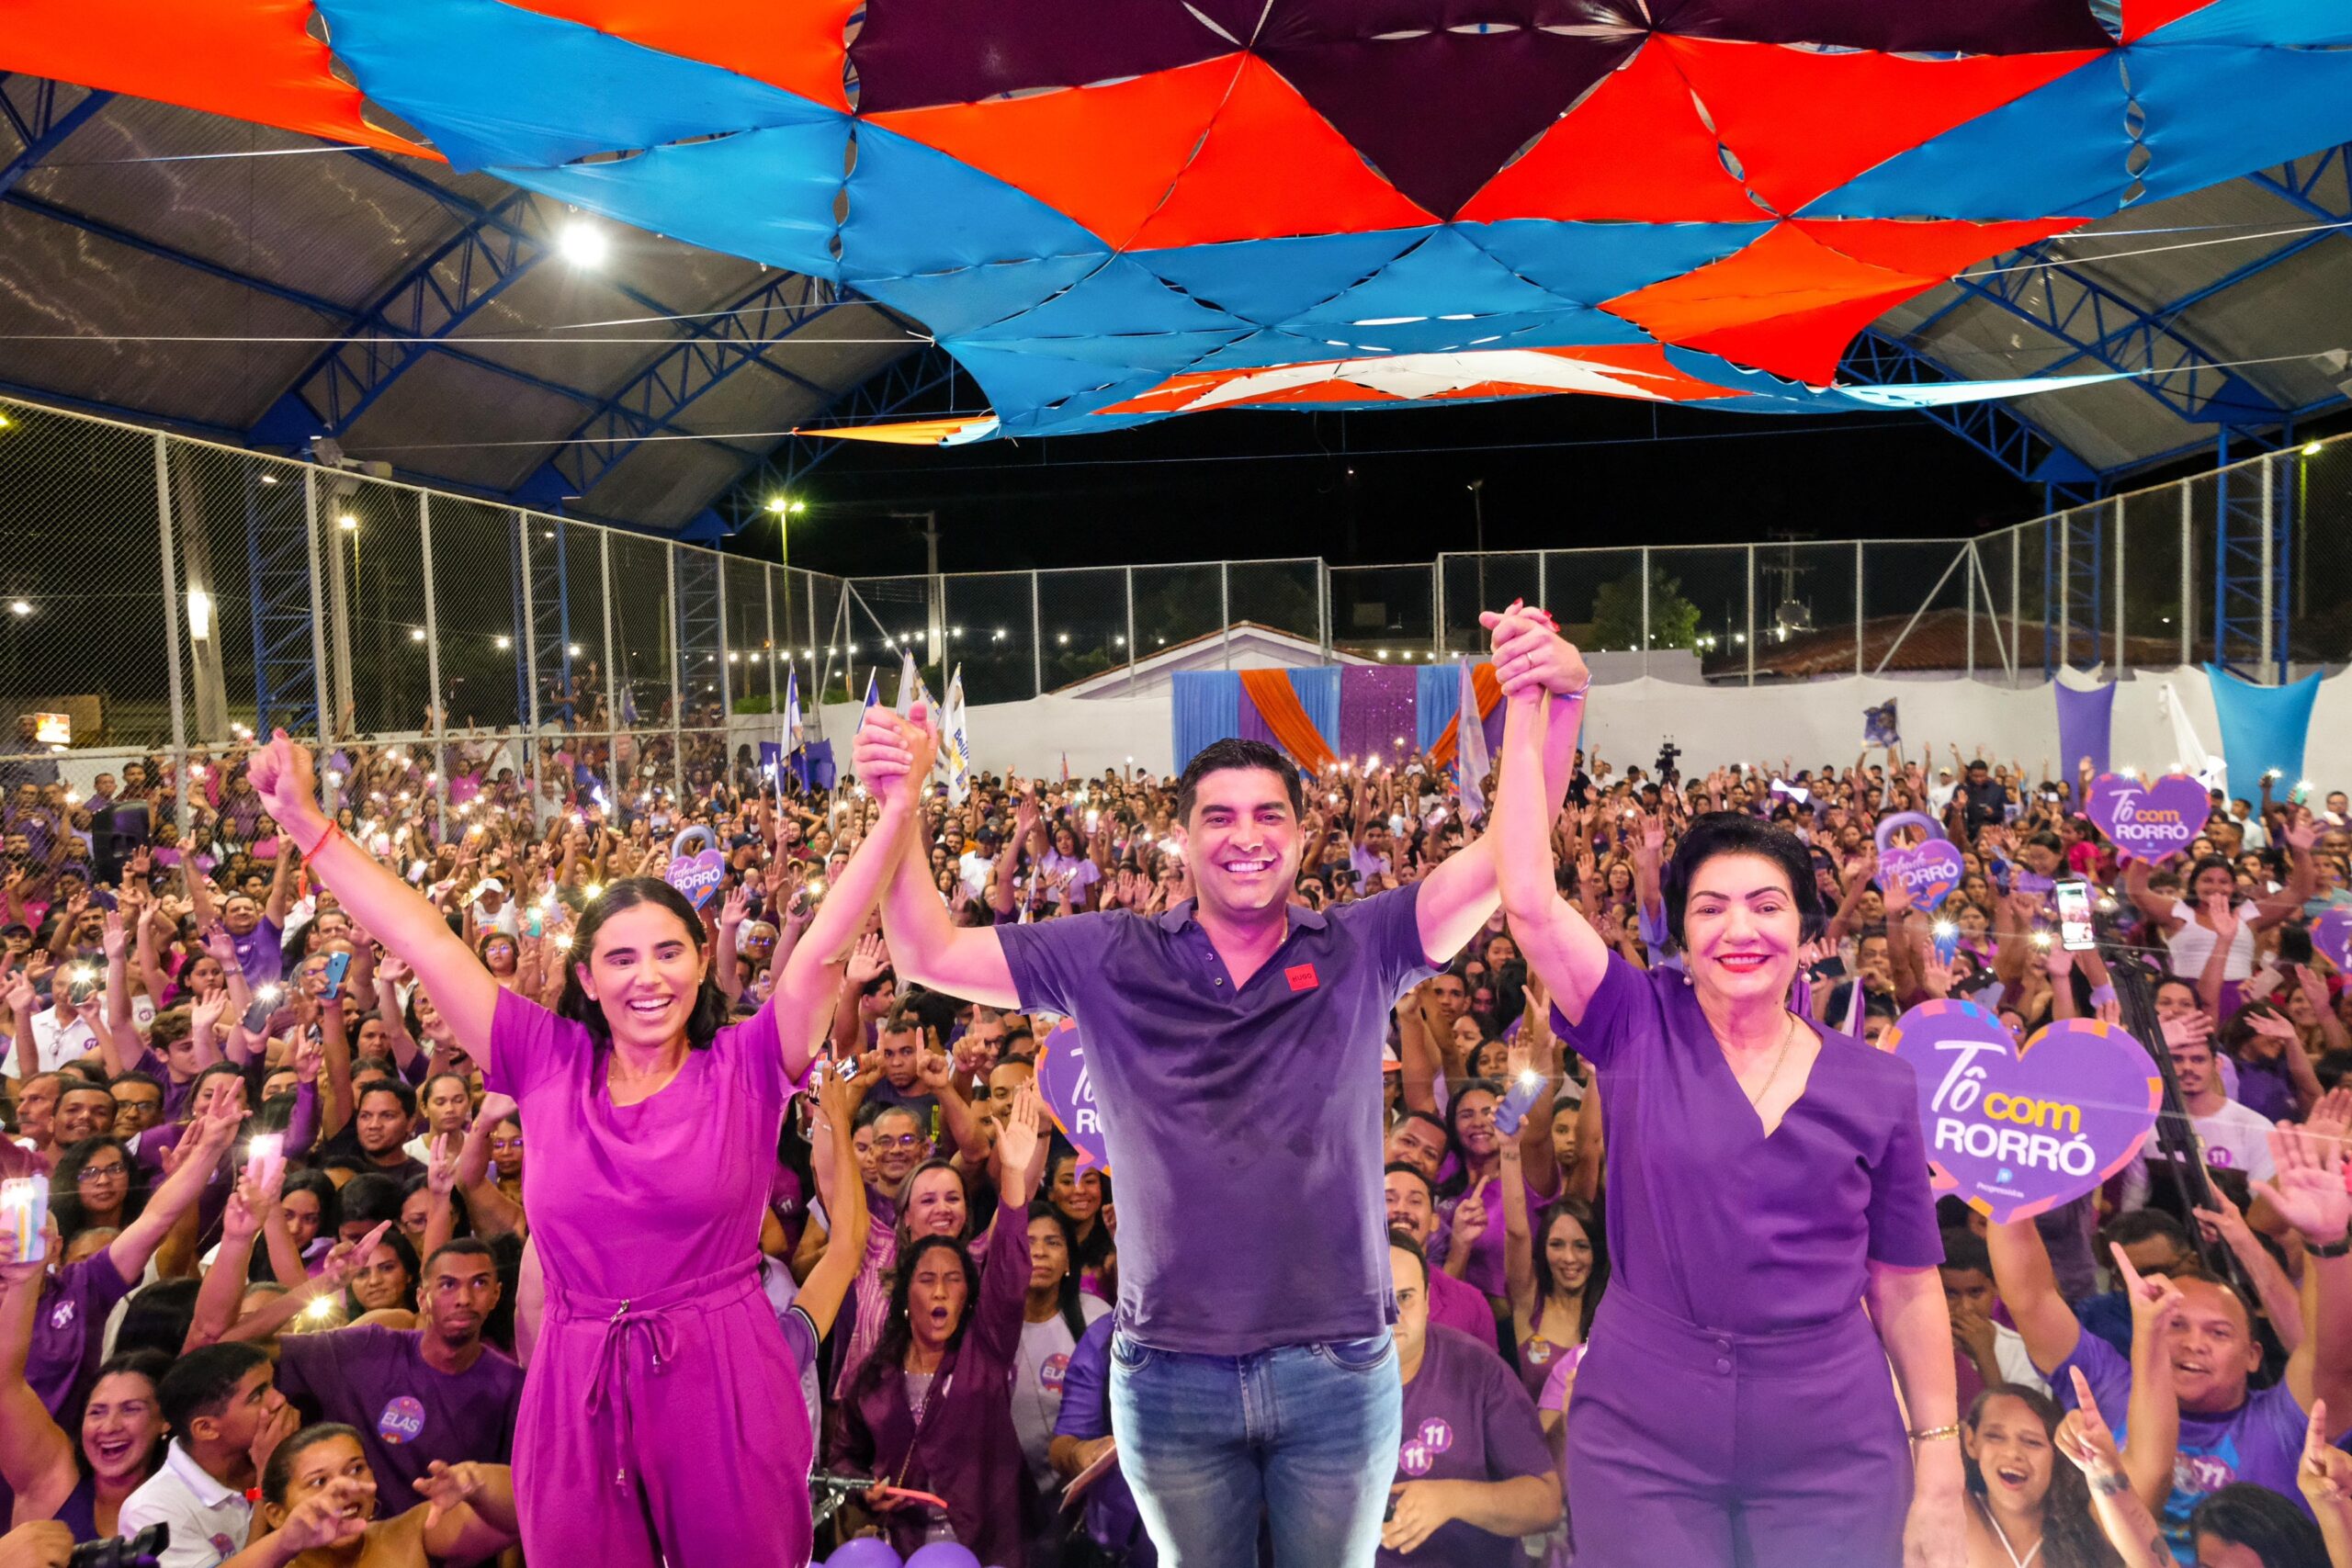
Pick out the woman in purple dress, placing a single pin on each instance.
(1771, 1231)
(662, 1417)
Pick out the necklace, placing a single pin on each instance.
(1788, 1038)
(2002, 1537)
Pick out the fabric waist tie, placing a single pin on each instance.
(1797, 1351)
(649, 1318)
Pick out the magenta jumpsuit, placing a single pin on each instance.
(1735, 1406)
(662, 1418)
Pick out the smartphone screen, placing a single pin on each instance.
(338, 965)
(2074, 898)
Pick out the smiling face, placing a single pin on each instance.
(1473, 1123)
(935, 1204)
(1410, 1209)
(1242, 841)
(84, 1110)
(899, 1147)
(1077, 1194)
(2213, 1347)
(1567, 1253)
(2013, 1452)
(645, 974)
(1416, 1143)
(1741, 930)
(120, 1426)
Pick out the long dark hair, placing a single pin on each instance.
(889, 1353)
(149, 1364)
(1066, 1300)
(1595, 1282)
(1094, 1249)
(2262, 1521)
(66, 1185)
(1458, 1180)
(710, 1002)
(2070, 1533)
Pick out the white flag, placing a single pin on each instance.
(909, 682)
(1470, 749)
(954, 744)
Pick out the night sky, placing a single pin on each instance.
(1393, 486)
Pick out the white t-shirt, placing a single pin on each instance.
(2234, 1138)
(209, 1521)
(974, 868)
(1038, 1369)
(56, 1045)
(2192, 945)
(2017, 1366)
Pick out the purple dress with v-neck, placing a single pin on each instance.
(662, 1416)
(1736, 1404)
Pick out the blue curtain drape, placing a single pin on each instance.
(1206, 706)
(2262, 728)
(1438, 693)
(1318, 694)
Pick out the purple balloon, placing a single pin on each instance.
(2016, 1131)
(2332, 934)
(1930, 871)
(943, 1554)
(1068, 1092)
(865, 1552)
(2148, 820)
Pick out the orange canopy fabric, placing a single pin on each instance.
(255, 60)
(1489, 692)
(1278, 704)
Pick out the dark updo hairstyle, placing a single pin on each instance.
(1735, 833)
(278, 1474)
(710, 1003)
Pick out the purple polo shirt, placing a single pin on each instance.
(1457, 1304)
(1243, 1122)
(408, 1414)
(1466, 1418)
(261, 953)
(69, 1330)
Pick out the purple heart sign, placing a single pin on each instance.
(2016, 1131)
(697, 875)
(2148, 820)
(1930, 871)
(1068, 1092)
(2332, 934)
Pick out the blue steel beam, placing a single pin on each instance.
(2024, 448)
(713, 349)
(905, 381)
(29, 105)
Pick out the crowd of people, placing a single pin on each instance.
(427, 1179)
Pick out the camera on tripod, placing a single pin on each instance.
(1668, 753)
(141, 1550)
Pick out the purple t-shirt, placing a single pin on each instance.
(2261, 1441)
(261, 953)
(1457, 1304)
(1485, 1269)
(408, 1414)
(1244, 1122)
(1714, 1223)
(1466, 1418)
(69, 1330)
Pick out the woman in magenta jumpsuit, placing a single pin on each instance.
(1769, 1215)
(662, 1418)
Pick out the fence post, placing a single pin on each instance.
(612, 672)
(1751, 617)
(2187, 573)
(528, 634)
(1323, 606)
(2119, 624)
(2016, 618)
(1036, 644)
(172, 627)
(437, 724)
(1543, 581)
(2271, 671)
(1131, 631)
(726, 653)
(318, 627)
(1857, 606)
(1971, 609)
(2066, 594)
(1437, 601)
(1644, 603)
(1225, 611)
(768, 596)
(677, 640)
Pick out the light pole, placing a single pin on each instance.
(1478, 533)
(785, 509)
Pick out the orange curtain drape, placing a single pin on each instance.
(1278, 704)
(1489, 692)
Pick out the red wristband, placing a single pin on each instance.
(334, 828)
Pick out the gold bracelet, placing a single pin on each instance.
(1935, 1434)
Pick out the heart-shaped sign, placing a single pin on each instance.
(2148, 820)
(1930, 871)
(2332, 934)
(696, 876)
(2016, 1131)
(1889, 826)
(1068, 1092)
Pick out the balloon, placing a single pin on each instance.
(942, 1554)
(865, 1551)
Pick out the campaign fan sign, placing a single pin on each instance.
(2148, 818)
(696, 876)
(2013, 1130)
(1068, 1092)
(1928, 870)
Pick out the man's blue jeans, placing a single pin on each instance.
(1309, 1431)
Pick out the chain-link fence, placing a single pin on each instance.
(164, 600)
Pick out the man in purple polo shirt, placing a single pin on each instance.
(1412, 1209)
(1235, 1045)
(436, 1392)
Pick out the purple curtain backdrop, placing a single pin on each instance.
(2084, 719)
(1254, 724)
(1377, 704)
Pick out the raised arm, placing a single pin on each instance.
(36, 1456)
(928, 948)
(1567, 952)
(2084, 1438)
(462, 989)
(199, 1156)
(2029, 1289)
(827, 1284)
(2308, 1193)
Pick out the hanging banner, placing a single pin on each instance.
(2015, 1131)
(2148, 820)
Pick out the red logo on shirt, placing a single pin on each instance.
(1301, 976)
